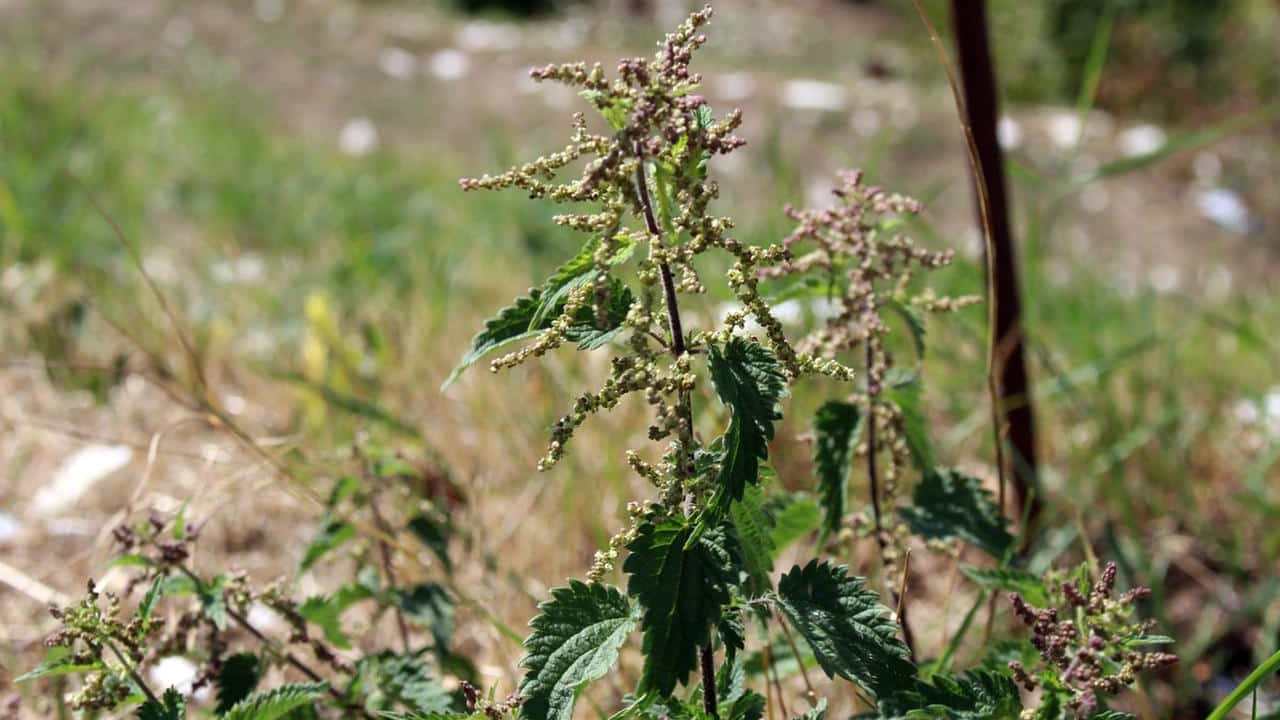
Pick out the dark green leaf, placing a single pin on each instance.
(681, 587)
(333, 534)
(750, 382)
(172, 706)
(212, 602)
(148, 604)
(434, 533)
(575, 639)
(907, 396)
(949, 504)
(817, 712)
(747, 706)
(388, 681)
(326, 611)
(275, 703)
(851, 633)
(752, 527)
(836, 428)
(430, 606)
(977, 695)
(237, 678)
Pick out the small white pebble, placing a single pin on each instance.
(359, 137)
(1142, 140)
(1009, 133)
(397, 62)
(814, 95)
(449, 64)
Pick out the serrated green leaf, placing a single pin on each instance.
(58, 661)
(237, 678)
(387, 681)
(752, 527)
(907, 396)
(747, 706)
(334, 533)
(851, 633)
(1026, 584)
(749, 380)
(172, 706)
(976, 695)
(836, 428)
(575, 640)
(949, 504)
(275, 703)
(681, 587)
(529, 315)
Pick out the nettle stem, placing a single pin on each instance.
(678, 350)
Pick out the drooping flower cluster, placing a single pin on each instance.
(648, 183)
(1089, 643)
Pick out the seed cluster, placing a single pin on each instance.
(1094, 651)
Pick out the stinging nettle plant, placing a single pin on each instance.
(699, 553)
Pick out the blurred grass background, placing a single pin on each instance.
(287, 172)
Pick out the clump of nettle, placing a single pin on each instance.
(698, 554)
(259, 653)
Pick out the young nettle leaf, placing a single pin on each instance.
(575, 640)
(851, 633)
(750, 381)
(817, 712)
(275, 703)
(212, 602)
(914, 321)
(326, 611)
(681, 587)
(836, 428)
(747, 706)
(949, 504)
(237, 677)
(171, 706)
(794, 516)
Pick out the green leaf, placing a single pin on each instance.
(851, 633)
(750, 382)
(575, 640)
(531, 314)
(681, 587)
(172, 706)
(429, 606)
(148, 604)
(58, 661)
(747, 706)
(333, 534)
(949, 504)
(752, 528)
(326, 611)
(977, 695)
(275, 703)
(212, 602)
(434, 532)
(1006, 579)
(914, 322)
(387, 681)
(796, 517)
(836, 428)
(907, 396)
(237, 678)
